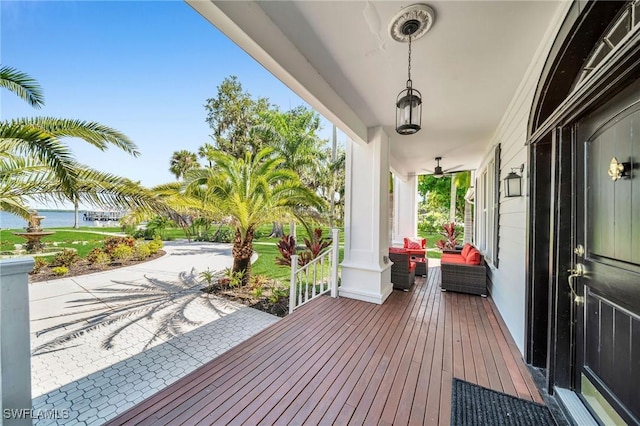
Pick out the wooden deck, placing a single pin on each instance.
(348, 362)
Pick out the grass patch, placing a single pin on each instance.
(266, 263)
(83, 242)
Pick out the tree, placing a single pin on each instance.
(463, 181)
(36, 164)
(293, 136)
(251, 190)
(206, 151)
(182, 161)
(231, 115)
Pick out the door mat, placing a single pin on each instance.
(473, 405)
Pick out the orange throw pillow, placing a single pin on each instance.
(473, 257)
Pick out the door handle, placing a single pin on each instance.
(576, 272)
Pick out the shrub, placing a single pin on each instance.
(102, 259)
(278, 293)
(208, 276)
(316, 243)
(38, 265)
(223, 235)
(122, 253)
(451, 235)
(155, 245)
(93, 255)
(110, 243)
(236, 278)
(60, 270)
(142, 251)
(66, 257)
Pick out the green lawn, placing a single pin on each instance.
(81, 240)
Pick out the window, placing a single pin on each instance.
(626, 23)
(488, 200)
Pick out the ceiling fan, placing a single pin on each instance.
(438, 172)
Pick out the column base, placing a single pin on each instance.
(365, 283)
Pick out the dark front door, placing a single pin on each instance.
(608, 229)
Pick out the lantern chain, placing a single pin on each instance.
(409, 69)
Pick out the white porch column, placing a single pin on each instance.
(366, 273)
(15, 350)
(405, 200)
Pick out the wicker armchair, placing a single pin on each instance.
(417, 248)
(403, 271)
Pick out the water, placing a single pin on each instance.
(53, 219)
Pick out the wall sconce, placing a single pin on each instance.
(513, 182)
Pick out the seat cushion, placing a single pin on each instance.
(452, 258)
(412, 266)
(473, 257)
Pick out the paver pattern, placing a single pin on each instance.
(103, 342)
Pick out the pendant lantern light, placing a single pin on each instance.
(406, 26)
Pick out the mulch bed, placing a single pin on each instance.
(82, 267)
(244, 295)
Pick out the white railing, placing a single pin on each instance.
(318, 277)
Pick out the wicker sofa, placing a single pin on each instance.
(464, 271)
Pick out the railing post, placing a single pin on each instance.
(292, 283)
(15, 347)
(335, 235)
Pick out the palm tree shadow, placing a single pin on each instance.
(187, 251)
(159, 306)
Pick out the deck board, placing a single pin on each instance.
(341, 361)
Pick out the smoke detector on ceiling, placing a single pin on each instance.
(412, 21)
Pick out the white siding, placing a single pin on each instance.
(507, 285)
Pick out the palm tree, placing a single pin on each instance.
(205, 152)
(252, 190)
(36, 164)
(181, 162)
(292, 135)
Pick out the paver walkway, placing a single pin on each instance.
(104, 342)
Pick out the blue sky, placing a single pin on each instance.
(145, 68)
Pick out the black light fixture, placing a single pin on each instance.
(408, 25)
(437, 172)
(409, 100)
(513, 182)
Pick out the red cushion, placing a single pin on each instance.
(473, 257)
(465, 250)
(412, 266)
(397, 250)
(414, 243)
(451, 258)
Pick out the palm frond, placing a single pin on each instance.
(22, 85)
(96, 134)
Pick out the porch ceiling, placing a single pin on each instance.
(339, 57)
